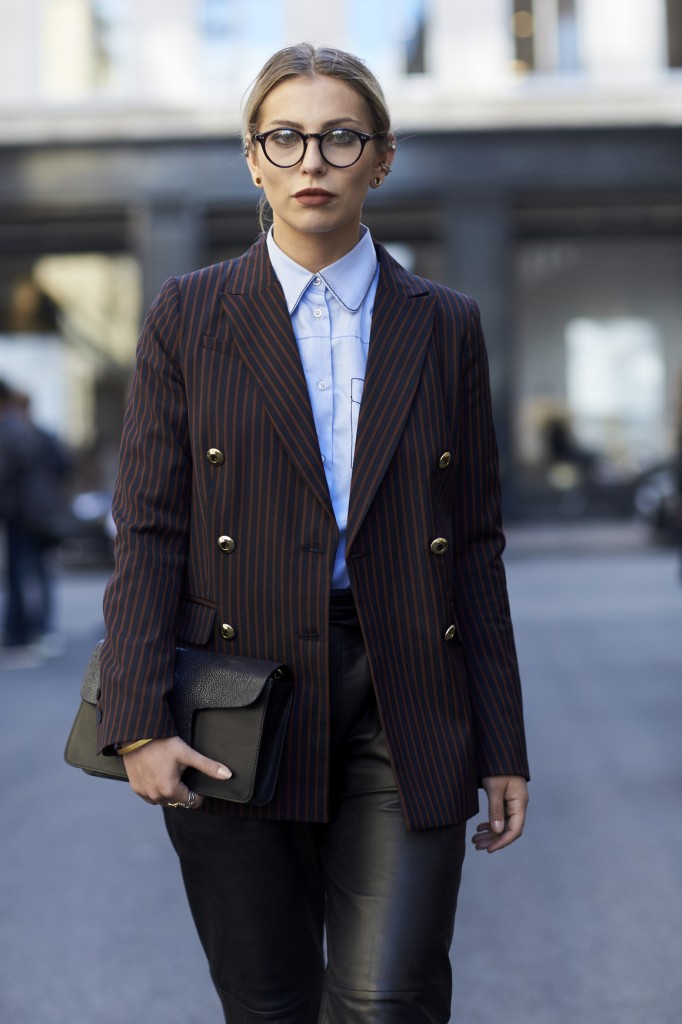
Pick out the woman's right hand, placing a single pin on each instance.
(155, 771)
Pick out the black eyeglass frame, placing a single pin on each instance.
(364, 138)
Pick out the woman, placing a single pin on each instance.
(257, 390)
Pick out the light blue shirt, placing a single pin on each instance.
(331, 314)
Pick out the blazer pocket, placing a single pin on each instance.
(195, 621)
(224, 345)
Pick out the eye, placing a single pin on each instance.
(341, 137)
(284, 137)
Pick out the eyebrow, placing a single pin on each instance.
(327, 124)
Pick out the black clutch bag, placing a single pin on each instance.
(232, 709)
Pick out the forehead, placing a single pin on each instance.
(313, 101)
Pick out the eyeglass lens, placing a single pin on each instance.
(339, 147)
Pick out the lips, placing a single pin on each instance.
(314, 192)
(313, 197)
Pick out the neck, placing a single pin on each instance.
(316, 251)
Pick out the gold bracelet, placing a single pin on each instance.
(129, 747)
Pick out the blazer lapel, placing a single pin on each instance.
(402, 322)
(261, 327)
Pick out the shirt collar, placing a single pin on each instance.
(348, 279)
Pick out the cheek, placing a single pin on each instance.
(361, 182)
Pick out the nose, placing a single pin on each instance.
(312, 162)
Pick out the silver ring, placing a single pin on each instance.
(187, 804)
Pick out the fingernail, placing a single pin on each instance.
(498, 826)
(224, 773)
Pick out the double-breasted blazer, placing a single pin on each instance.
(226, 535)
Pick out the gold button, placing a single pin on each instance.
(439, 546)
(215, 456)
(227, 631)
(450, 633)
(445, 460)
(226, 543)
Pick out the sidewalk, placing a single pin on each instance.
(578, 537)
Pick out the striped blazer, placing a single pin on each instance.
(219, 442)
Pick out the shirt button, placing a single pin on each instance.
(317, 313)
(317, 281)
(323, 459)
(322, 385)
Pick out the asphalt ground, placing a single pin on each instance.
(578, 923)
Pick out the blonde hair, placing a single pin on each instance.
(308, 60)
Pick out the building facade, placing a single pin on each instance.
(539, 168)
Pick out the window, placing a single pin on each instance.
(217, 29)
(546, 36)
(108, 19)
(615, 377)
(674, 33)
(236, 37)
(523, 30)
(391, 35)
(567, 36)
(415, 39)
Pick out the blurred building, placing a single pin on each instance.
(539, 168)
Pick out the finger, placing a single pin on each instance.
(484, 835)
(206, 765)
(195, 800)
(512, 832)
(185, 799)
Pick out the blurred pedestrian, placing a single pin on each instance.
(258, 390)
(34, 508)
(678, 469)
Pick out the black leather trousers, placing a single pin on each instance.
(264, 895)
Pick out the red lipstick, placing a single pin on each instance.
(313, 196)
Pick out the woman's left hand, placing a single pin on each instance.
(507, 802)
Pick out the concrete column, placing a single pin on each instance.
(22, 53)
(478, 261)
(471, 44)
(319, 24)
(167, 237)
(164, 36)
(623, 38)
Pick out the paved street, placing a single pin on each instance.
(580, 923)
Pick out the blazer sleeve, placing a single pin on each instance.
(480, 588)
(151, 510)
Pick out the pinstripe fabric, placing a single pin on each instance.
(218, 367)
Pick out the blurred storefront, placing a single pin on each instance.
(539, 168)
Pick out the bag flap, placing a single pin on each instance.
(207, 680)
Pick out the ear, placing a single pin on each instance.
(252, 160)
(386, 154)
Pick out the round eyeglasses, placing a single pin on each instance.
(339, 147)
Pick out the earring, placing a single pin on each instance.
(376, 182)
(258, 181)
(385, 167)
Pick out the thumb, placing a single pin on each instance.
(496, 811)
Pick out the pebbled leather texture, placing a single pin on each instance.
(233, 709)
